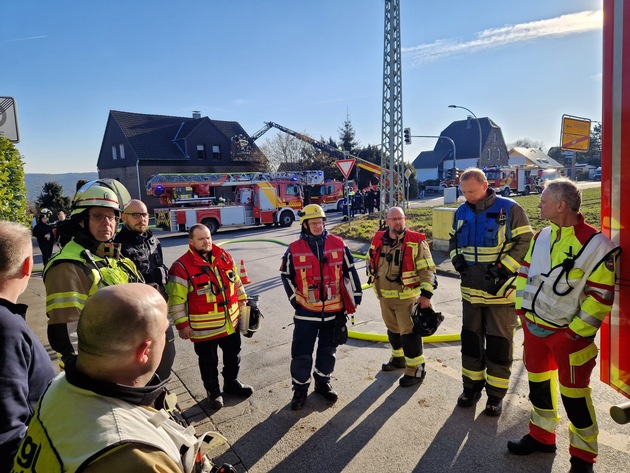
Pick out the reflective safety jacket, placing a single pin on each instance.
(491, 232)
(567, 279)
(205, 294)
(312, 270)
(63, 439)
(401, 269)
(71, 277)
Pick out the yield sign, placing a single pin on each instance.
(345, 166)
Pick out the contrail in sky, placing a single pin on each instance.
(573, 23)
(22, 39)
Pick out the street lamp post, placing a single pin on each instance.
(478, 125)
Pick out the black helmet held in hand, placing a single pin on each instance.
(426, 321)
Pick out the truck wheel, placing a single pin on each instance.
(212, 225)
(539, 189)
(506, 192)
(340, 206)
(286, 219)
(527, 191)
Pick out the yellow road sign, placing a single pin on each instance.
(576, 133)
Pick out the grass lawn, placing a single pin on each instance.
(363, 227)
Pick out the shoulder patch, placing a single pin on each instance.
(610, 263)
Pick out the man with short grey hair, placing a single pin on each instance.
(25, 367)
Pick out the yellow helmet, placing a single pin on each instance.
(311, 211)
(106, 192)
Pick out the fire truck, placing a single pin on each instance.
(615, 331)
(518, 179)
(331, 194)
(229, 199)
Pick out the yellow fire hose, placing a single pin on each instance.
(368, 336)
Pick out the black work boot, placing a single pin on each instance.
(580, 466)
(215, 400)
(394, 363)
(409, 380)
(236, 388)
(299, 398)
(494, 407)
(326, 390)
(468, 398)
(528, 445)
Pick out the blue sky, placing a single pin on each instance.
(303, 64)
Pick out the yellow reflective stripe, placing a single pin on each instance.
(575, 393)
(522, 230)
(477, 296)
(424, 264)
(394, 294)
(510, 263)
(177, 280)
(64, 300)
(546, 419)
(474, 375)
(584, 355)
(501, 383)
(413, 362)
(584, 439)
(398, 353)
(540, 377)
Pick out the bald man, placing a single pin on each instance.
(99, 414)
(143, 248)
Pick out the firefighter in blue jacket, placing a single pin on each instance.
(313, 271)
(489, 239)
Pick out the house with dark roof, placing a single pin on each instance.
(520, 156)
(459, 145)
(136, 146)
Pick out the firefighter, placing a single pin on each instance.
(313, 271)
(565, 289)
(400, 264)
(89, 261)
(205, 294)
(489, 238)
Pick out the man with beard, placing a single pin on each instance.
(313, 271)
(205, 294)
(401, 267)
(140, 245)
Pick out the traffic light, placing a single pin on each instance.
(407, 133)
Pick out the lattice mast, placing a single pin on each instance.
(392, 132)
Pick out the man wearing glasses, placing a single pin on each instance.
(88, 262)
(400, 265)
(143, 248)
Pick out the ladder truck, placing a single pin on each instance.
(229, 199)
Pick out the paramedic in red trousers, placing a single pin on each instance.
(401, 266)
(489, 239)
(565, 289)
(313, 270)
(205, 295)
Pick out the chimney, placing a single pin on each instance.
(196, 114)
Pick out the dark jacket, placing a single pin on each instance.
(25, 371)
(146, 252)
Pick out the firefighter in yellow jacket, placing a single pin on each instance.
(565, 289)
(205, 294)
(88, 262)
(401, 267)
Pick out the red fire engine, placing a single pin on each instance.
(615, 332)
(518, 179)
(229, 199)
(330, 195)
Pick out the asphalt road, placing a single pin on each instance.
(376, 425)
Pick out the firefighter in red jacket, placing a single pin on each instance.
(313, 271)
(400, 264)
(565, 289)
(205, 295)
